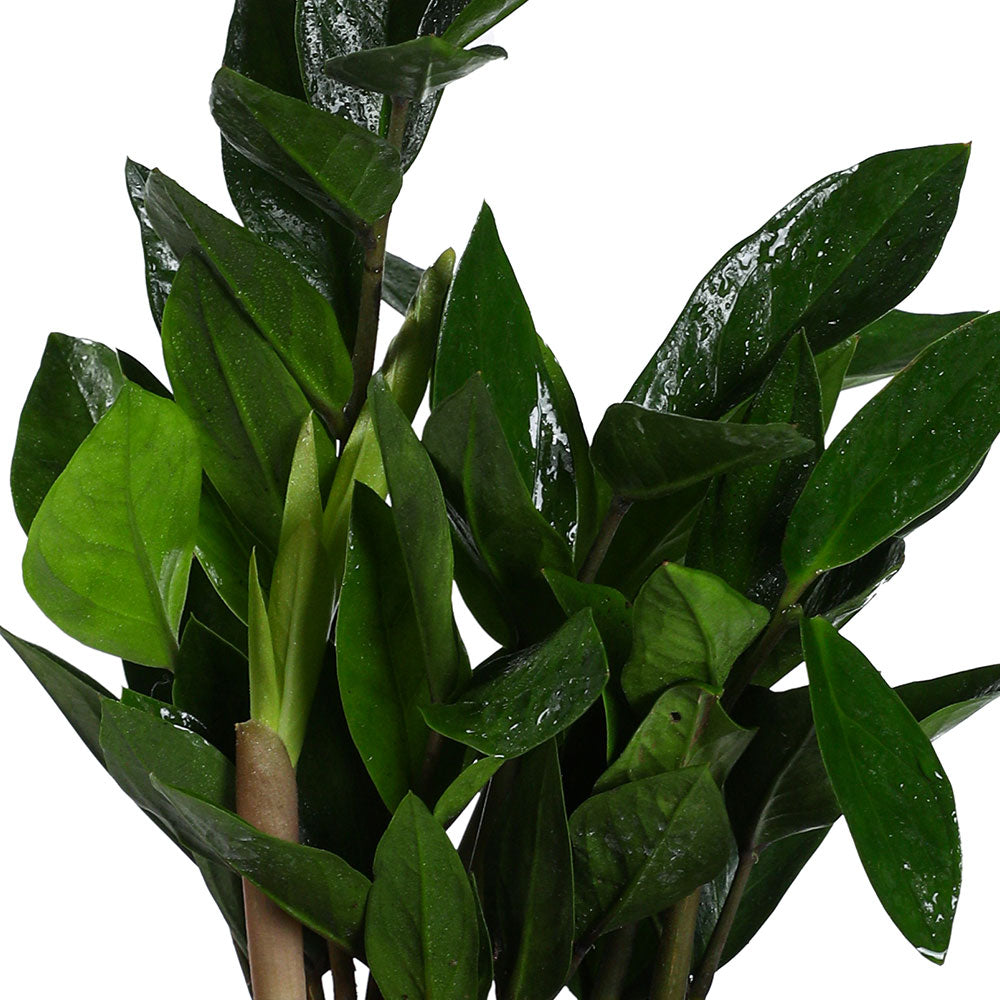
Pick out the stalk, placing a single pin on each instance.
(267, 797)
(611, 974)
(345, 986)
(605, 535)
(673, 963)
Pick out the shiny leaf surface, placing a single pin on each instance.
(645, 454)
(117, 582)
(831, 367)
(399, 282)
(476, 17)
(453, 800)
(839, 255)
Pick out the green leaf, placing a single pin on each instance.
(517, 701)
(476, 17)
(612, 613)
(685, 726)
(837, 257)
(831, 367)
(76, 695)
(246, 406)
(487, 330)
(384, 677)
(492, 511)
(319, 889)
(421, 522)
(645, 454)
(453, 800)
(76, 383)
(399, 282)
(530, 883)
(291, 315)
(909, 449)
(688, 626)
(421, 936)
(211, 682)
(412, 70)
(644, 845)
(889, 782)
(890, 343)
(742, 522)
(347, 171)
(117, 581)
(161, 262)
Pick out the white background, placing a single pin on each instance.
(622, 154)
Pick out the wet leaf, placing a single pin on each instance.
(831, 367)
(839, 255)
(612, 613)
(117, 582)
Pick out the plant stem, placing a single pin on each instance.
(370, 302)
(717, 943)
(673, 963)
(267, 797)
(314, 984)
(345, 986)
(614, 967)
(605, 535)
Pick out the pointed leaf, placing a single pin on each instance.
(421, 936)
(688, 626)
(318, 154)
(612, 613)
(223, 548)
(516, 701)
(399, 282)
(831, 367)
(645, 454)
(835, 258)
(118, 582)
(910, 448)
(476, 17)
(454, 799)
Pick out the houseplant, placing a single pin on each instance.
(483, 228)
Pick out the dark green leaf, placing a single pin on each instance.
(612, 613)
(246, 406)
(117, 581)
(685, 726)
(742, 521)
(910, 448)
(317, 888)
(411, 70)
(211, 682)
(453, 800)
(835, 258)
(530, 885)
(831, 367)
(487, 330)
(291, 315)
(516, 701)
(889, 782)
(943, 702)
(421, 935)
(76, 384)
(76, 695)
(135, 371)
(645, 454)
(321, 155)
(688, 626)
(890, 343)
(399, 282)
(477, 17)
(161, 262)
(644, 845)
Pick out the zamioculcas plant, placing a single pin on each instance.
(270, 548)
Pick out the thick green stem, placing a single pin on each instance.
(267, 797)
(605, 535)
(717, 943)
(614, 967)
(345, 986)
(673, 963)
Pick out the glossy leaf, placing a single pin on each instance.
(646, 454)
(889, 782)
(890, 343)
(644, 845)
(246, 406)
(688, 626)
(909, 449)
(454, 799)
(531, 883)
(421, 935)
(76, 695)
(487, 330)
(831, 367)
(319, 889)
(161, 262)
(517, 701)
(612, 613)
(76, 383)
(742, 521)
(117, 582)
(477, 17)
(839, 255)
(318, 154)
(399, 282)
(291, 315)
(412, 70)
(686, 726)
